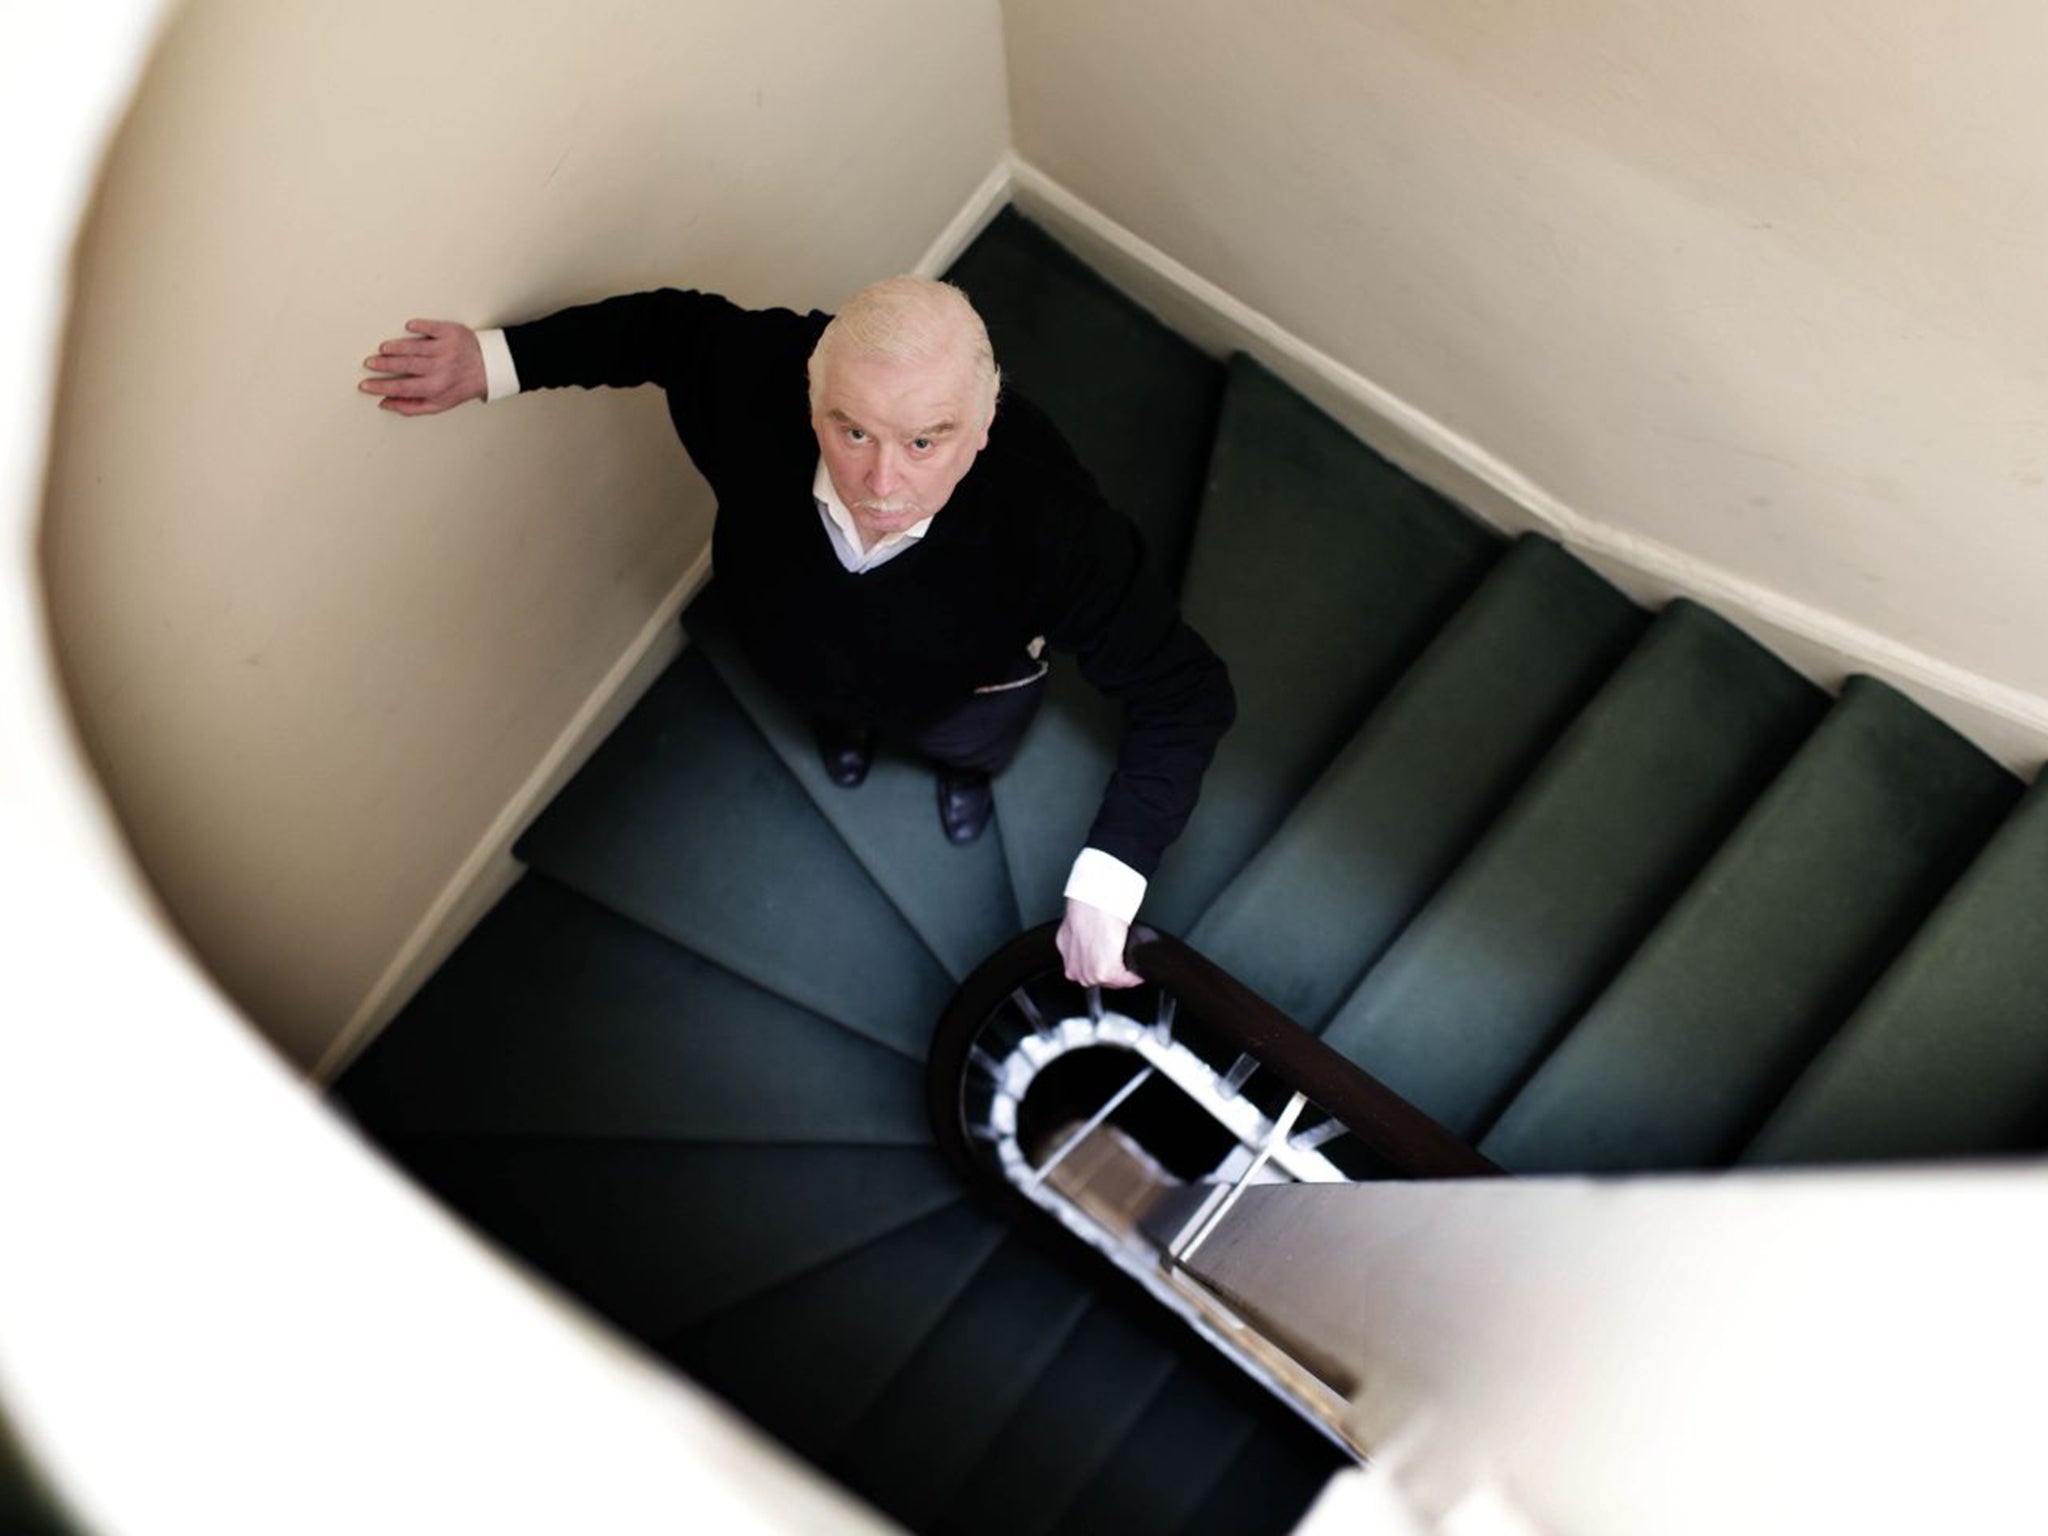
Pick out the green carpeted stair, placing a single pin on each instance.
(1419, 781)
(1949, 1053)
(1319, 572)
(1599, 888)
(1768, 949)
(1606, 832)
(923, 1436)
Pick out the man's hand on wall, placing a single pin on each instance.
(1092, 944)
(437, 367)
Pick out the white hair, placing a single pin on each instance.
(909, 319)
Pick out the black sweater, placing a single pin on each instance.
(1025, 546)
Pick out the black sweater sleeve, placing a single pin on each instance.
(1116, 616)
(722, 367)
(664, 337)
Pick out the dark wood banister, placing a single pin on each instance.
(1407, 1140)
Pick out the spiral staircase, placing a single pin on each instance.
(1597, 889)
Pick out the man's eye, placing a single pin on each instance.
(921, 444)
(855, 435)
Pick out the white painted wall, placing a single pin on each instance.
(1774, 1354)
(317, 650)
(1744, 299)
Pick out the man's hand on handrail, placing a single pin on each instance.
(436, 368)
(1091, 942)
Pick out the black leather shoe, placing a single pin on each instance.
(965, 804)
(846, 751)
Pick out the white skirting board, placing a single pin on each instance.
(2009, 724)
(983, 204)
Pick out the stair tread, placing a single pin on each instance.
(648, 828)
(806, 1358)
(1319, 571)
(1606, 833)
(1419, 781)
(558, 1017)
(1064, 1429)
(1268, 1486)
(1767, 953)
(1165, 1465)
(923, 1435)
(1138, 404)
(1948, 1056)
(957, 899)
(658, 1234)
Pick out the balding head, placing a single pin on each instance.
(910, 320)
(903, 388)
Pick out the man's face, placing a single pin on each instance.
(898, 436)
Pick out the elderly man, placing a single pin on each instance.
(833, 443)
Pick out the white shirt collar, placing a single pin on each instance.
(848, 545)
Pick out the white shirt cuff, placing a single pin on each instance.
(501, 375)
(1107, 884)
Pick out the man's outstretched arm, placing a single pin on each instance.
(436, 367)
(691, 344)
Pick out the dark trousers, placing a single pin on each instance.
(983, 734)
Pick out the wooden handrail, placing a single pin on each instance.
(1408, 1141)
